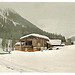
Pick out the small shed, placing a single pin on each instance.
(17, 46)
(55, 42)
(68, 43)
(33, 42)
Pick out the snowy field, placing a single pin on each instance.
(62, 60)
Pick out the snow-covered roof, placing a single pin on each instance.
(55, 42)
(36, 35)
(18, 43)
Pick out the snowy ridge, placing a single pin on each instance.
(72, 36)
(36, 35)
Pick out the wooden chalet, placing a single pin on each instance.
(33, 42)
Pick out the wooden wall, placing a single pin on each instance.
(68, 43)
(17, 47)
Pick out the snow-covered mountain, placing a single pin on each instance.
(13, 26)
(72, 37)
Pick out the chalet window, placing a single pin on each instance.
(29, 43)
(22, 42)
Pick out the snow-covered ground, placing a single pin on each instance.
(62, 60)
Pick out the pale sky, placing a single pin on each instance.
(52, 17)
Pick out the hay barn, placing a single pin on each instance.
(33, 42)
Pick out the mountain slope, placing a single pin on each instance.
(11, 22)
(13, 26)
(72, 38)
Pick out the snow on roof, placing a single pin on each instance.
(18, 43)
(55, 42)
(36, 35)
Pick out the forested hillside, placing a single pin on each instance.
(13, 26)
